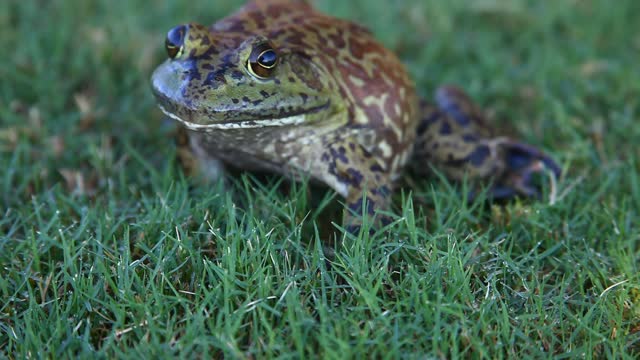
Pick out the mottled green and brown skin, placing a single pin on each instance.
(336, 106)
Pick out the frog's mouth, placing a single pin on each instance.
(251, 122)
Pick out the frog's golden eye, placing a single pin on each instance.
(262, 61)
(174, 43)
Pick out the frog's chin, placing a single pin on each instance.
(287, 120)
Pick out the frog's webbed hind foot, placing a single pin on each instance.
(524, 165)
(456, 139)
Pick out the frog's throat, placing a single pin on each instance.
(290, 120)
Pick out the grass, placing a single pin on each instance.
(107, 250)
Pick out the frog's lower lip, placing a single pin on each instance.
(285, 119)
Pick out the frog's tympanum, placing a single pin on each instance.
(280, 87)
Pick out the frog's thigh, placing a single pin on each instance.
(195, 160)
(451, 147)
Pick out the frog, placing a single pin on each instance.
(283, 88)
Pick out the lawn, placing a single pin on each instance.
(108, 250)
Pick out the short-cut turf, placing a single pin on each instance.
(107, 250)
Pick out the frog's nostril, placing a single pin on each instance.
(174, 42)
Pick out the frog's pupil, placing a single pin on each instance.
(267, 58)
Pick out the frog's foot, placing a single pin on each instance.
(523, 170)
(361, 205)
(195, 161)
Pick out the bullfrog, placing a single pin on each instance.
(281, 87)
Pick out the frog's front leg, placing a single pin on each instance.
(194, 160)
(455, 138)
(363, 181)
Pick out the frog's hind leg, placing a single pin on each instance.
(455, 138)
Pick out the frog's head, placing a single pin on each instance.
(227, 81)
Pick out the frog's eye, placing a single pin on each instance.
(262, 61)
(174, 43)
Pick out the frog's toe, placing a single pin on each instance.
(525, 170)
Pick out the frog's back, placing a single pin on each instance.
(379, 96)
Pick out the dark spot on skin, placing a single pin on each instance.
(478, 157)
(292, 79)
(332, 170)
(352, 146)
(469, 138)
(355, 177)
(192, 70)
(246, 99)
(337, 40)
(294, 38)
(212, 80)
(427, 122)
(331, 52)
(304, 97)
(207, 66)
(353, 229)
(273, 12)
(264, 94)
(259, 19)
(237, 75)
(226, 61)
(220, 78)
(236, 26)
(256, 102)
(339, 155)
(235, 101)
(325, 157)
(382, 191)
(209, 53)
(375, 168)
(371, 207)
(446, 128)
(358, 47)
(451, 107)
(356, 207)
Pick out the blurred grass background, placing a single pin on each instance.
(107, 250)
